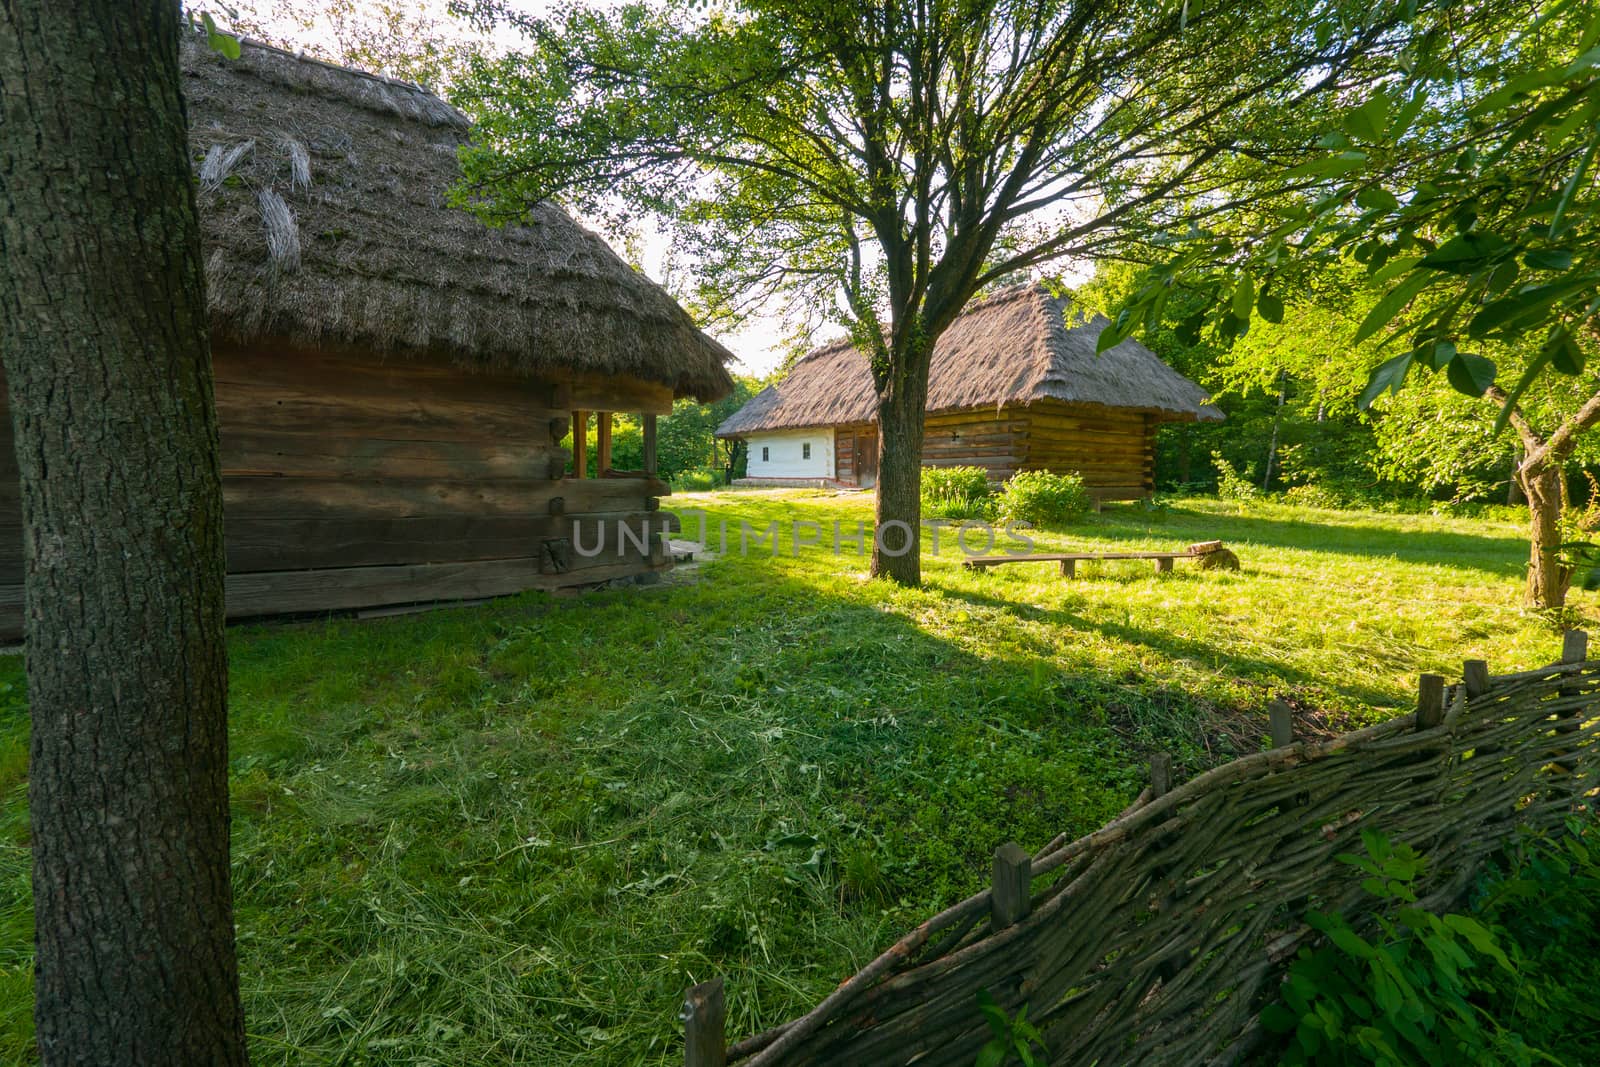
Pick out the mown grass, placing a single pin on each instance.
(514, 833)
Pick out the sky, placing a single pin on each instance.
(759, 345)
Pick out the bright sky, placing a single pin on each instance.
(758, 346)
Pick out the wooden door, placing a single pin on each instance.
(867, 457)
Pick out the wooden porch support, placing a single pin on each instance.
(650, 445)
(602, 442)
(580, 444)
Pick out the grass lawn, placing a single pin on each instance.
(514, 833)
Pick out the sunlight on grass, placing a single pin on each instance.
(515, 833)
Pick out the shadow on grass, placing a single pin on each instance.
(1249, 668)
(1501, 556)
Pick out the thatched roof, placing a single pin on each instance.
(323, 208)
(1012, 349)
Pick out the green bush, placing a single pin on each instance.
(696, 481)
(1231, 485)
(957, 493)
(1043, 498)
(1408, 993)
(1544, 902)
(1313, 496)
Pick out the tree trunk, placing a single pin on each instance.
(897, 544)
(1548, 577)
(104, 339)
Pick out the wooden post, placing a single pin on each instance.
(1574, 649)
(1164, 565)
(602, 443)
(580, 444)
(1282, 721)
(1008, 898)
(1430, 701)
(1069, 567)
(650, 446)
(1160, 775)
(704, 1015)
(1475, 677)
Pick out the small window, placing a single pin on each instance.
(766, 453)
(805, 450)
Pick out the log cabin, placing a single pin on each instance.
(1015, 384)
(393, 378)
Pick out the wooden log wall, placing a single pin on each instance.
(1114, 450)
(350, 483)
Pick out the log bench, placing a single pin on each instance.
(1212, 554)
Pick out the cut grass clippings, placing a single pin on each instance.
(514, 833)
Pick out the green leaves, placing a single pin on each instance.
(1271, 308)
(1010, 1035)
(1384, 311)
(1470, 373)
(1366, 123)
(1386, 378)
(225, 44)
(1466, 253)
(1400, 996)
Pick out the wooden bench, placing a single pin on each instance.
(1213, 554)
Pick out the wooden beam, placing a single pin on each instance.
(650, 444)
(1008, 896)
(580, 444)
(1281, 719)
(704, 1019)
(602, 442)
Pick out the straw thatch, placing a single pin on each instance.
(1009, 350)
(323, 199)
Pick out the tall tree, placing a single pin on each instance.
(105, 344)
(887, 161)
(1466, 188)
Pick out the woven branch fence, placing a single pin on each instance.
(1158, 938)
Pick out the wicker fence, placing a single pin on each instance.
(1158, 938)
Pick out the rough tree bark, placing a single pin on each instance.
(1548, 577)
(103, 335)
(897, 545)
(1541, 477)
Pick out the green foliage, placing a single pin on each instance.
(686, 440)
(1231, 485)
(1545, 903)
(1314, 496)
(957, 493)
(1043, 498)
(1398, 998)
(1491, 241)
(696, 481)
(1012, 1036)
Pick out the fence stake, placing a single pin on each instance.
(1574, 649)
(705, 1042)
(1160, 775)
(1475, 676)
(1430, 701)
(1282, 718)
(1008, 898)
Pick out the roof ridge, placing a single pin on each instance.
(1000, 296)
(254, 47)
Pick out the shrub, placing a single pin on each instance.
(1231, 485)
(1313, 496)
(1043, 498)
(1403, 996)
(957, 493)
(696, 481)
